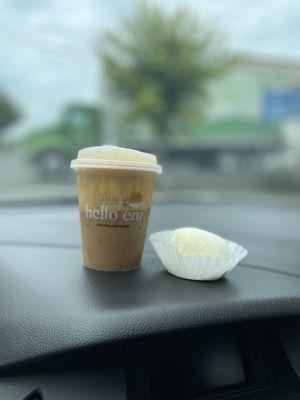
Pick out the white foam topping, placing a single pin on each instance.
(108, 152)
(115, 157)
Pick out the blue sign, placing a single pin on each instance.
(278, 106)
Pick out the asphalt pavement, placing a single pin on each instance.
(20, 183)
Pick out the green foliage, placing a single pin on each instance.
(9, 113)
(160, 64)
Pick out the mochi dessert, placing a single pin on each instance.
(196, 254)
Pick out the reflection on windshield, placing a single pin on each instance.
(212, 87)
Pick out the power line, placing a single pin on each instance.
(52, 47)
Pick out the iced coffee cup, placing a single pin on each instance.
(115, 188)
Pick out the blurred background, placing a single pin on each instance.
(213, 87)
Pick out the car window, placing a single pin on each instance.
(213, 88)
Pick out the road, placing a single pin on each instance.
(19, 182)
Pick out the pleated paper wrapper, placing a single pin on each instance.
(195, 267)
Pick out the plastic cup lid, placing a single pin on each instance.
(115, 164)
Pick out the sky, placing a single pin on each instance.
(47, 48)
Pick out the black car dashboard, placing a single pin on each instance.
(71, 333)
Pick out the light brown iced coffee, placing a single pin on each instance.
(115, 188)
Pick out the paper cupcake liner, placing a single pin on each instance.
(195, 267)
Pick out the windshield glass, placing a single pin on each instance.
(211, 87)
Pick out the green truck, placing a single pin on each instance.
(51, 148)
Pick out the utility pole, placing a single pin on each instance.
(108, 134)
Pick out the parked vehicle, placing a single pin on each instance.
(51, 148)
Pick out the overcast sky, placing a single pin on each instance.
(46, 46)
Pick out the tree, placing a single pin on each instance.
(160, 64)
(9, 113)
